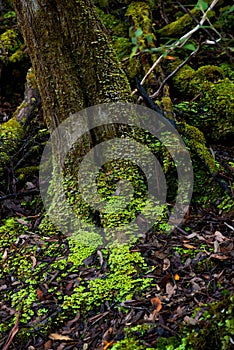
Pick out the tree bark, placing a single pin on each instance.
(73, 59)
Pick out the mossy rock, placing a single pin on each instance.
(180, 26)
(214, 100)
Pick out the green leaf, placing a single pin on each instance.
(134, 40)
(231, 9)
(202, 5)
(138, 33)
(149, 38)
(190, 47)
(9, 14)
(134, 50)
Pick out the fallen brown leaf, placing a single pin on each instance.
(34, 260)
(166, 264)
(219, 237)
(189, 246)
(170, 290)
(48, 345)
(12, 333)
(157, 304)
(219, 256)
(4, 257)
(190, 320)
(55, 336)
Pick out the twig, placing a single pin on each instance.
(162, 11)
(204, 29)
(155, 94)
(19, 194)
(231, 227)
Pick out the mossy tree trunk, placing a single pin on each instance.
(75, 67)
(73, 60)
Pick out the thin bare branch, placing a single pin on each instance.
(155, 94)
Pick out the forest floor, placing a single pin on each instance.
(192, 268)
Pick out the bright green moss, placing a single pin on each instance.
(19, 260)
(9, 232)
(120, 282)
(134, 338)
(182, 79)
(227, 70)
(214, 105)
(114, 25)
(196, 141)
(11, 133)
(122, 46)
(11, 46)
(216, 318)
(9, 39)
(48, 228)
(139, 11)
(27, 173)
(217, 101)
(180, 26)
(81, 247)
(209, 73)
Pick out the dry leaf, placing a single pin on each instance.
(48, 345)
(107, 345)
(189, 246)
(23, 222)
(30, 185)
(34, 260)
(4, 257)
(166, 264)
(170, 290)
(153, 316)
(108, 335)
(172, 58)
(40, 294)
(216, 247)
(157, 304)
(190, 320)
(12, 333)
(195, 235)
(219, 256)
(219, 237)
(55, 336)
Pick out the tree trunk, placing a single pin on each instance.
(74, 62)
(75, 67)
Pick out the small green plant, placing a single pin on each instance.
(121, 281)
